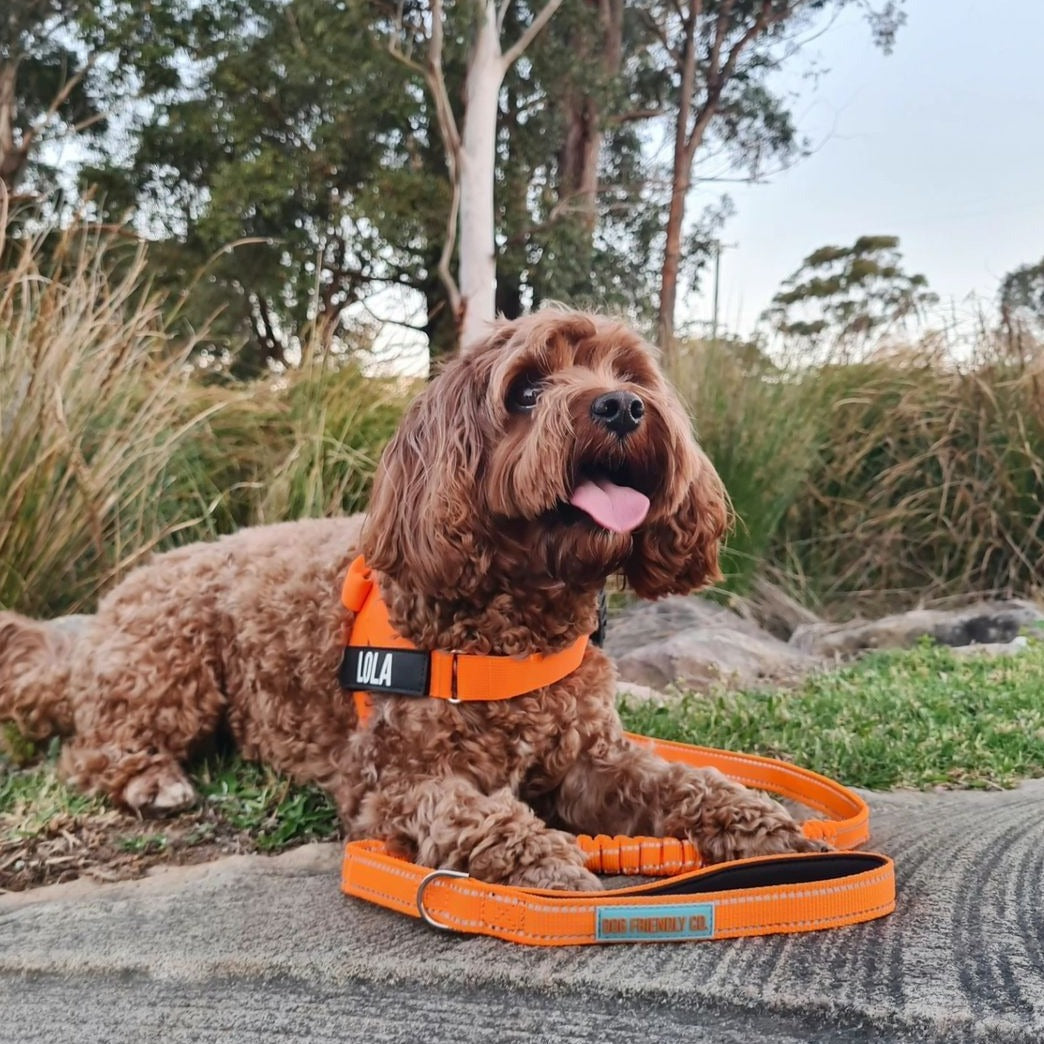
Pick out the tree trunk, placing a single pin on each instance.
(680, 178)
(582, 149)
(477, 272)
(671, 264)
(13, 157)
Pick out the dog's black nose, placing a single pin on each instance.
(620, 411)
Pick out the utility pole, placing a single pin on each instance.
(719, 246)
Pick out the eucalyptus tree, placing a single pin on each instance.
(717, 59)
(67, 68)
(841, 297)
(1021, 298)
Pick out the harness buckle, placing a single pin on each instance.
(422, 887)
(453, 697)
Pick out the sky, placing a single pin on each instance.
(940, 143)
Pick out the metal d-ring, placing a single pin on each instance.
(453, 697)
(428, 878)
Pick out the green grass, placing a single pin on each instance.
(33, 797)
(274, 811)
(921, 719)
(236, 795)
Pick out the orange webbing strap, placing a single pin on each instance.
(847, 822)
(451, 676)
(767, 895)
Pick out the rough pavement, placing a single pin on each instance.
(254, 949)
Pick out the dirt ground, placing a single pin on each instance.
(112, 846)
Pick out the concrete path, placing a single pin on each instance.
(254, 949)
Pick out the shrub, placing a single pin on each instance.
(91, 412)
(112, 444)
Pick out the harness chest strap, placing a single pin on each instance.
(763, 896)
(378, 659)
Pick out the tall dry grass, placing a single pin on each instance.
(928, 482)
(762, 429)
(905, 478)
(92, 409)
(111, 444)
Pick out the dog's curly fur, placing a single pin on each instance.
(476, 548)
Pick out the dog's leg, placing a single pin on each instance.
(619, 788)
(141, 778)
(36, 658)
(449, 823)
(138, 718)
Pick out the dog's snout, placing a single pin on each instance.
(620, 411)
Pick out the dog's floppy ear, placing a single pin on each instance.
(420, 525)
(678, 552)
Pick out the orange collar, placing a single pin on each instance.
(378, 659)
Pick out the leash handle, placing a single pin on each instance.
(764, 896)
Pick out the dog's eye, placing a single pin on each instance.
(525, 393)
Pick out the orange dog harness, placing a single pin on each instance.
(377, 659)
(761, 896)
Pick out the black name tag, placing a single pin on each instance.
(370, 669)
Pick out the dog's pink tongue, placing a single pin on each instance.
(614, 507)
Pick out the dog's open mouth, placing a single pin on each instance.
(610, 500)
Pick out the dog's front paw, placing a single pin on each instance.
(560, 876)
(755, 826)
(160, 790)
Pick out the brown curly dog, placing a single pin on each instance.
(539, 463)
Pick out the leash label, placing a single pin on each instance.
(651, 922)
(372, 669)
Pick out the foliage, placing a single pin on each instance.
(763, 430)
(67, 65)
(91, 413)
(1021, 299)
(113, 445)
(273, 810)
(869, 485)
(923, 718)
(577, 195)
(928, 480)
(841, 296)
(716, 63)
(331, 191)
(309, 196)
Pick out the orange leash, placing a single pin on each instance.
(762, 896)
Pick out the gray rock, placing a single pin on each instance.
(696, 644)
(705, 658)
(640, 693)
(982, 623)
(648, 622)
(992, 649)
(771, 608)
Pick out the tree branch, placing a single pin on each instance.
(395, 48)
(721, 30)
(502, 11)
(58, 101)
(661, 35)
(443, 268)
(634, 116)
(451, 142)
(719, 76)
(514, 53)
